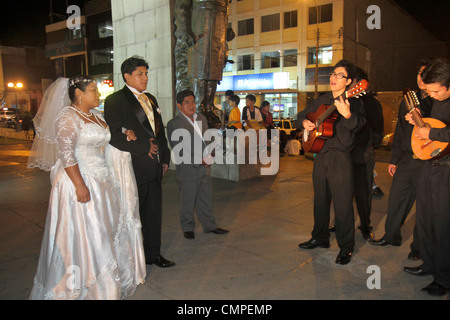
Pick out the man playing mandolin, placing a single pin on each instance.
(332, 172)
(433, 190)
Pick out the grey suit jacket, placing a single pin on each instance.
(193, 169)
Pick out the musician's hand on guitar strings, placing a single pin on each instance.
(308, 125)
(343, 107)
(423, 133)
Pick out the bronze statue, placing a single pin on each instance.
(201, 51)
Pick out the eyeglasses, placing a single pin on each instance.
(338, 75)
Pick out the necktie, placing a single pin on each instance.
(146, 105)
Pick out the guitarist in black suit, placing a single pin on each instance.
(134, 108)
(332, 172)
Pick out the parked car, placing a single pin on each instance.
(286, 125)
(11, 123)
(7, 115)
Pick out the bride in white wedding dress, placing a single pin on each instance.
(92, 245)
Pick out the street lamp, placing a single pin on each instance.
(18, 85)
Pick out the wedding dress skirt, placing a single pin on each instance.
(92, 250)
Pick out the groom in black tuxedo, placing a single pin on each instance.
(136, 109)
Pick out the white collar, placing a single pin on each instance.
(136, 93)
(194, 116)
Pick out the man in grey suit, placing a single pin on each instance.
(192, 169)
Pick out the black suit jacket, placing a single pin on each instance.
(123, 110)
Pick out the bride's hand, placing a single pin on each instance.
(83, 194)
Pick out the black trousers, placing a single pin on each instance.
(333, 182)
(363, 166)
(401, 199)
(433, 221)
(150, 210)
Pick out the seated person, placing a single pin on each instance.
(251, 115)
(293, 146)
(234, 118)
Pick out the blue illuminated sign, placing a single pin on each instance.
(262, 81)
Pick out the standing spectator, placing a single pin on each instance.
(194, 178)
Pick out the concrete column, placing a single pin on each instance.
(144, 28)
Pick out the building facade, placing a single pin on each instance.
(84, 48)
(24, 73)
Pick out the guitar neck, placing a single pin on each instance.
(412, 103)
(330, 110)
(417, 118)
(325, 115)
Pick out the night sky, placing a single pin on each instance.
(23, 21)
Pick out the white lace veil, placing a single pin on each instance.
(44, 153)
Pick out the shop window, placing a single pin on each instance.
(245, 27)
(105, 29)
(246, 62)
(282, 105)
(325, 55)
(228, 66)
(101, 56)
(290, 19)
(290, 58)
(325, 14)
(270, 22)
(270, 59)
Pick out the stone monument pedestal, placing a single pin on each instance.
(235, 172)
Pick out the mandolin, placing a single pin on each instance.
(324, 118)
(424, 149)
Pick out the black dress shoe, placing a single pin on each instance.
(189, 235)
(162, 263)
(416, 271)
(414, 255)
(218, 231)
(434, 289)
(311, 244)
(382, 243)
(344, 257)
(367, 235)
(377, 193)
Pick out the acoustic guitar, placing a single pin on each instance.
(424, 149)
(324, 118)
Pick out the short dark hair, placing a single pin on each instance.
(251, 98)
(265, 103)
(183, 94)
(79, 82)
(229, 93)
(424, 62)
(349, 67)
(235, 99)
(437, 72)
(131, 64)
